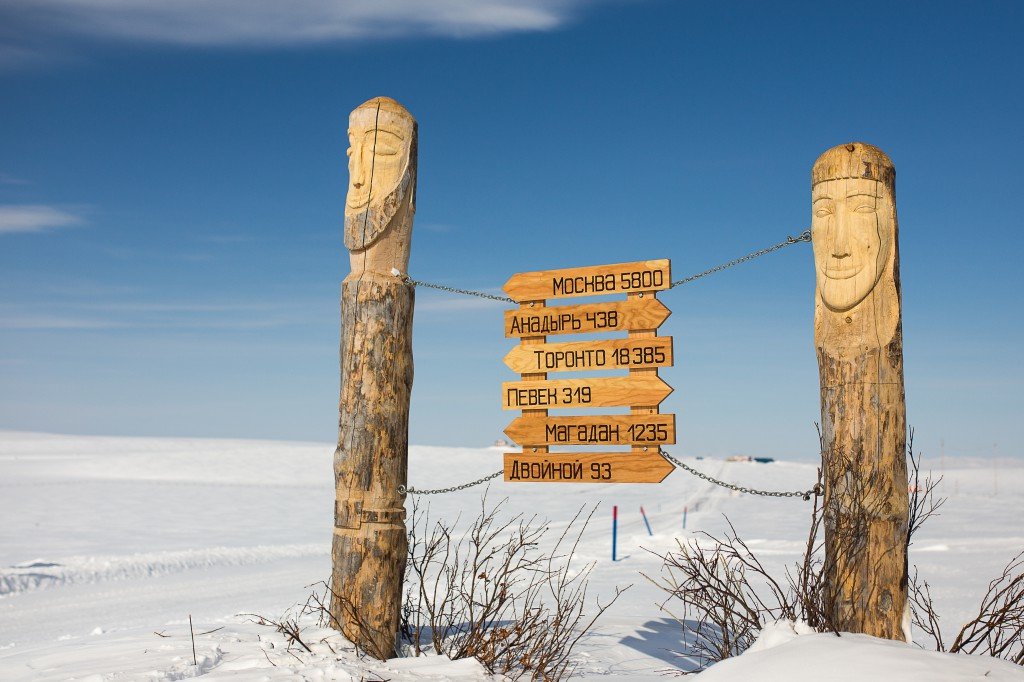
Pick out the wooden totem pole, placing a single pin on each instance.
(371, 460)
(858, 335)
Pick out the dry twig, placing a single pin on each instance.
(493, 594)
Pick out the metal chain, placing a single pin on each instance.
(402, 490)
(806, 494)
(805, 236)
(452, 290)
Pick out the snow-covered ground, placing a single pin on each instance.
(108, 545)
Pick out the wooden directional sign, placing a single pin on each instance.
(644, 429)
(595, 280)
(618, 429)
(586, 355)
(610, 392)
(637, 313)
(587, 467)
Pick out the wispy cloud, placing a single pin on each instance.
(37, 322)
(23, 54)
(165, 315)
(91, 289)
(34, 218)
(7, 178)
(272, 22)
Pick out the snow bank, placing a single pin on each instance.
(237, 652)
(75, 570)
(792, 652)
(105, 542)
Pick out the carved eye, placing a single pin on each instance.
(865, 208)
(822, 212)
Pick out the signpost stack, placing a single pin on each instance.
(641, 353)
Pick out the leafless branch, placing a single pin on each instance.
(492, 593)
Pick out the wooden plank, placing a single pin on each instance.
(605, 392)
(586, 467)
(638, 313)
(593, 280)
(527, 342)
(610, 429)
(642, 408)
(588, 355)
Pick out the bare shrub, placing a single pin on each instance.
(923, 502)
(492, 593)
(290, 623)
(998, 628)
(287, 625)
(725, 595)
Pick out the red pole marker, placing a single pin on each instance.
(615, 529)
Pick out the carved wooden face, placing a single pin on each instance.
(380, 156)
(852, 234)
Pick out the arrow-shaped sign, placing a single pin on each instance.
(593, 280)
(586, 467)
(633, 314)
(632, 391)
(586, 355)
(609, 429)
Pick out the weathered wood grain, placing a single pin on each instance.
(858, 335)
(602, 392)
(607, 429)
(586, 467)
(534, 377)
(639, 313)
(592, 280)
(580, 356)
(643, 372)
(370, 463)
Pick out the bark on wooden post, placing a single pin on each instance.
(858, 335)
(371, 460)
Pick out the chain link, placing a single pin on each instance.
(805, 236)
(452, 290)
(806, 494)
(402, 490)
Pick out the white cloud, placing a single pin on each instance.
(34, 218)
(280, 22)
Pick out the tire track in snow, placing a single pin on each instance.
(43, 574)
(707, 492)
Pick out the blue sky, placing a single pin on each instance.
(172, 178)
